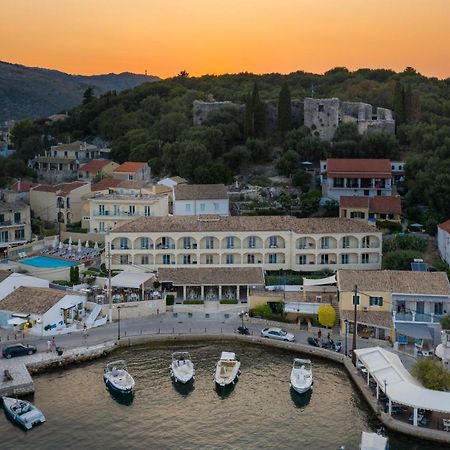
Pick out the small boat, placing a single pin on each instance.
(22, 412)
(227, 369)
(301, 375)
(117, 378)
(373, 441)
(182, 369)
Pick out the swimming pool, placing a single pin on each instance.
(46, 262)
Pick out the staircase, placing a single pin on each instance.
(93, 316)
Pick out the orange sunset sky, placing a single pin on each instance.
(218, 36)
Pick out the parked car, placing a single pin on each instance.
(277, 333)
(18, 350)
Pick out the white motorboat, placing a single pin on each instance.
(117, 377)
(301, 375)
(373, 441)
(227, 369)
(182, 369)
(22, 412)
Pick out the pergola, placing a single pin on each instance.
(133, 280)
(398, 385)
(213, 283)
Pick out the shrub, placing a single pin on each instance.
(170, 299)
(445, 322)
(405, 242)
(62, 282)
(400, 259)
(263, 311)
(227, 301)
(194, 302)
(431, 374)
(156, 284)
(327, 316)
(392, 227)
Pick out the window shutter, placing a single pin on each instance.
(380, 301)
(371, 301)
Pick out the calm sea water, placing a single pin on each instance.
(259, 413)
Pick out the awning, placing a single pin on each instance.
(413, 330)
(16, 321)
(319, 281)
(302, 307)
(131, 279)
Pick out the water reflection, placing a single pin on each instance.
(301, 400)
(184, 389)
(123, 399)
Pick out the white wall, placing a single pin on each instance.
(55, 313)
(16, 280)
(444, 245)
(198, 207)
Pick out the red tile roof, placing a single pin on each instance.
(95, 165)
(445, 226)
(385, 205)
(23, 186)
(366, 167)
(62, 189)
(104, 184)
(130, 166)
(379, 204)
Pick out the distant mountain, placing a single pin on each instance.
(32, 92)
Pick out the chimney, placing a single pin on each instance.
(19, 184)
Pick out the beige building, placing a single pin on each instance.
(137, 171)
(412, 303)
(124, 200)
(97, 168)
(270, 242)
(15, 223)
(59, 202)
(371, 209)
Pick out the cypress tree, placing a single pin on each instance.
(259, 113)
(284, 109)
(248, 125)
(408, 103)
(399, 103)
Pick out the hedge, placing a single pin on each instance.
(170, 299)
(193, 302)
(228, 302)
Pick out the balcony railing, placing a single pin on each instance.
(9, 223)
(416, 317)
(108, 213)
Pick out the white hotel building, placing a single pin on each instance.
(270, 242)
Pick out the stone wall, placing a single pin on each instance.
(201, 109)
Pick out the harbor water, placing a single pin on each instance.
(259, 413)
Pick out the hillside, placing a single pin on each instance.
(154, 122)
(31, 92)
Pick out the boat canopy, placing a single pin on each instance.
(228, 355)
(401, 387)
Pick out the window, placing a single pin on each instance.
(338, 182)
(4, 236)
(209, 243)
(250, 259)
(273, 242)
(202, 207)
(101, 210)
(252, 242)
(68, 202)
(320, 108)
(375, 301)
(379, 192)
(123, 259)
(229, 259)
(302, 260)
(365, 258)
(116, 210)
(187, 242)
(365, 243)
(145, 243)
(323, 259)
(346, 242)
(166, 259)
(17, 217)
(65, 154)
(357, 215)
(209, 259)
(76, 155)
(130, 176)
(344, 259)
(186, 259)
(216, 207)
(144, 259)
(272, 258)
(124, 243)
(230, 242)
(324, 242)
(302, 243)
(19, 234)
(131, 210)
(187, 207)
(101, 226)
(55, 153)
(420, 307)
(2, 218)
(366, 192)
(438, 308)
(147, 211)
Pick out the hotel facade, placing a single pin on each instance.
(270, 242)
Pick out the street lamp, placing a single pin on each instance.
(118, 323)
(346, 334)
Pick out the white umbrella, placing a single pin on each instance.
(60, 246)
(70, 240)
(69, 246)
(79, 245)
(96, 245)
(87, 244)
(55, 242)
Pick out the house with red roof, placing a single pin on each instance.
(371, 209)
(356, 177)
(132, 171)
(443, 238)
(97, 168)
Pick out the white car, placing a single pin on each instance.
(277, 333)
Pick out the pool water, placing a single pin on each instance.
(46, 262)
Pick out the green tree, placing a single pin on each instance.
(445, 322)
(248, 123)
(88, 95)
(238, 157)
(284, 109)
(288, 163)
(302, 179)
(259, 113)
(400, 259)
(399, 103)
(380, 145)
(431, 374)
